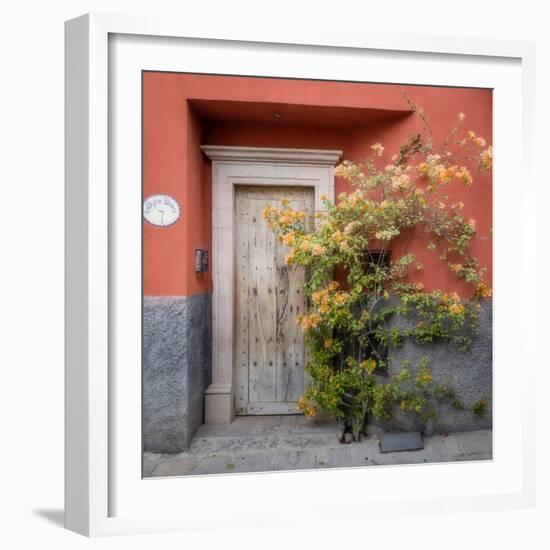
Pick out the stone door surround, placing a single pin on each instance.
(238, 166)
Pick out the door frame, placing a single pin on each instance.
(239, 166)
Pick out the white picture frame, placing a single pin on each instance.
(105, 494)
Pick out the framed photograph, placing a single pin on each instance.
(294, 265)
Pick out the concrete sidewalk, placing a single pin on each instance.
(274, 443)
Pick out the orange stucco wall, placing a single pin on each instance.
(183, 111)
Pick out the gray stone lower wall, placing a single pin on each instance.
(177, 359)
(469, 373)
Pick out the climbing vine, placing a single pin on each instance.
(358, 283)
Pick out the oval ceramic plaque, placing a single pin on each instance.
(161, 210)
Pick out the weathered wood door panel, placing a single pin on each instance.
(269, 346)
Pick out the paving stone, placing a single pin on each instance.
(174, 467)
(333, 457)
(478, 441)
(300, 447)
(260, 462)
(362, 453)
(150, 463)
(214, 465)
(303, 441)
(293, 460)
(441, 448)
(247, 426)
(473, 456)
(401, 441)
(403, 458)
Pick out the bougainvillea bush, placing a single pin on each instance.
(356, 283)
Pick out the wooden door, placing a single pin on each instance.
(269, 350)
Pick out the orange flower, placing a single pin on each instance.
(305, 406)
(337, 236)
(305, 245)
(378, 148)
(318, 250)
(456, 309)
(289, 258)
(423, 168)
(289, 239)
(483, 290)
(476, 140)
(307, 322)
(464, 175)
(486, 159)
(369, 365)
